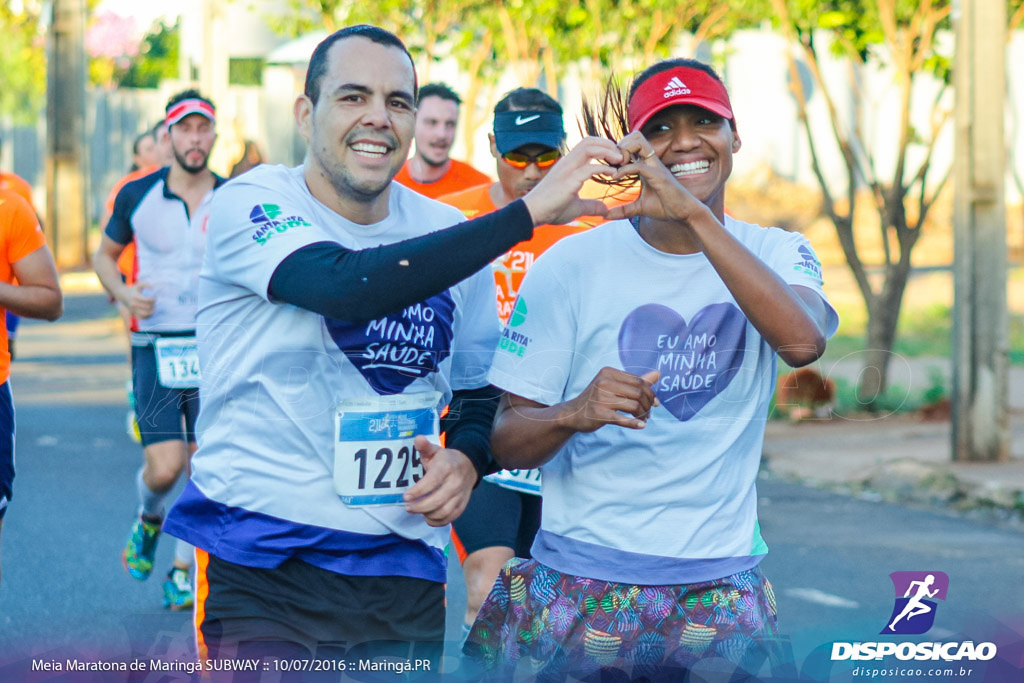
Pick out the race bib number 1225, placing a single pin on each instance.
(374, 457)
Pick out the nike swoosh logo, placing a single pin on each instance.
(520, 120)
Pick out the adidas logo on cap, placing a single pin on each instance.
(675, 87)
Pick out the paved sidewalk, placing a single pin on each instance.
(902, 458)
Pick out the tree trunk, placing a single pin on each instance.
(883, 317)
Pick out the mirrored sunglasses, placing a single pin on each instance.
(543, 160)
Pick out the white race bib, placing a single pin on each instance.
(177, 362)
(526, 481)
(374, 458)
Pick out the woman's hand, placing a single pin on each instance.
(662, 196)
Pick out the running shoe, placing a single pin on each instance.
(132, 427)
(177, 590)
(131, 422)
(140, 549)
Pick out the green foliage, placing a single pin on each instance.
(894, 399)
(856, 27)
(535, 36)
(937, 387)
(303, 16)
(246, 70)
(939, 66)
(1015, 15)
(22, 62)
(1017, 339)
(158, 58)
(926, 332)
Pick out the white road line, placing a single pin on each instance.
(821, 598)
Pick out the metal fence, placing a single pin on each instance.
(113, 119)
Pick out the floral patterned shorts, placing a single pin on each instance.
(540, 623)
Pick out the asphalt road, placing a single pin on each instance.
(65, 595)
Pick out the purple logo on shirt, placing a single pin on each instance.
(808, 263)
(268, 222)
(697, 360)
(393, 351)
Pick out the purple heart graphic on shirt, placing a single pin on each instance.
(394, 351)
(697, 360)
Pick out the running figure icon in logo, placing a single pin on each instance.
(916, 588)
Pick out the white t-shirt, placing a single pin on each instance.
(169, 249)
(261, 488)
(675, 502)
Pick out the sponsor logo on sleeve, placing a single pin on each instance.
(268, 221)
(808, 263)
(511, 341)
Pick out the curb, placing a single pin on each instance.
(906, 481)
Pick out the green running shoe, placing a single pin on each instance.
(177, 590)
(140, 549)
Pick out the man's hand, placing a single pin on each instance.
(556, 201)
(140, 305)
(614, 397)
(443, 492)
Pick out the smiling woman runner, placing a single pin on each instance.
(647, 360)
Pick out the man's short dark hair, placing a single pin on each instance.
(530, 99)
(438, 90)
(190, 94)
(318, 62)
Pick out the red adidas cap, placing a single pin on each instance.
(678, 85)
(190, 106)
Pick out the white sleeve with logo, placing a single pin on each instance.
(537, 347)
(476, 331)
(794, 260)
(255, 225)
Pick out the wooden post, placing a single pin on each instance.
(980, 333)
(67, 183)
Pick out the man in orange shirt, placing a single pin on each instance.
(18, 185)
(24, 258)
(15, 183)
(503, 514)
(431, 171)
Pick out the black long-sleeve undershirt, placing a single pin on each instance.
(359, 286)
(467, 425)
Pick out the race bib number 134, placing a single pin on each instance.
(526, 481)
(177, 362)
(374, 457)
